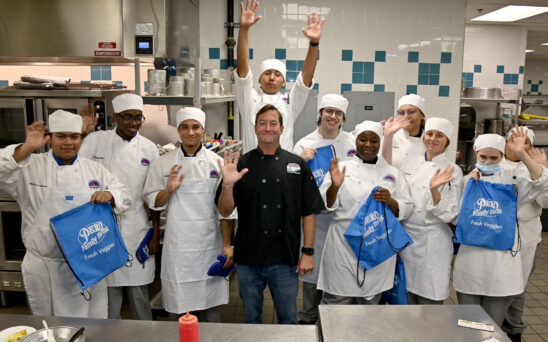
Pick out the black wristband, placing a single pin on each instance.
(314, 44)
(307, 251)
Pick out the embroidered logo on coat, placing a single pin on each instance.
(293, 168)
(213, 174)
(351, 153)
(389, 178)
(145, 162)
(94, 184)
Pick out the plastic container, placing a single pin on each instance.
(188, 328)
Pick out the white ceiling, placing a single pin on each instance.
(537, 26)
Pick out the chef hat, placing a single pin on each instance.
(415, 100)
(191, 113)
(274, 64)
(335, 101)
(490, 140)
(439, 124)
(63, 121)
(530, 133)
(127, 102)
(368, 126)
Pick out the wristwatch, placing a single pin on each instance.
(307, 251)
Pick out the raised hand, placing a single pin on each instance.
(538, 155)
(174, 180)
(517, 141)
(230, 168)
(37, 136)
(315, 23)
(89, 120)
(308, 153)
(392, 125)
(442, 177)
(247, 18)
(337, 176)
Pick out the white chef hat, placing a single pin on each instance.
(415, 100)
(530, 133)
(190, 113)
(335, 101)
(63, 121)
(368, 126)
(439, 124)
(490, 140)
(274, 64)
(127, 102)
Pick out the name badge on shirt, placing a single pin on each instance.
(293, 168)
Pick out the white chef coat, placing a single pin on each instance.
(428, 260)
(338, 262)
(193, 238)
(405, 147)
(530, 227)
(250, 101)
(490, 272)
(345, 148)
(130, 162)
(35, 182)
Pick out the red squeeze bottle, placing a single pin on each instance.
(188, 328)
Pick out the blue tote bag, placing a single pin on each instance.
(142, 251)
(375, 234)
(488, 215)
(320, 164)
(90, 241)
(397, 294)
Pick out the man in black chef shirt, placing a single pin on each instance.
(271, 189)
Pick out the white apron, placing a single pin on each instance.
(192, 242)
(133, 222)
(51, 286)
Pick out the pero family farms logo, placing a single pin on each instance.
(92, 234)
(487, 208)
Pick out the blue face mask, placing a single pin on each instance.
(487, 169)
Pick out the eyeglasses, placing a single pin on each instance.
(130, 118)
(337, 113)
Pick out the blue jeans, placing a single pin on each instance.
(283, 282)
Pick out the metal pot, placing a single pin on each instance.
(482, 93)
(61, 334)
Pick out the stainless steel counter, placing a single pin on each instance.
(403, 323)
(103, 330)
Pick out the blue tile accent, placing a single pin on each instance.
(118, 82)
(214, 53)
(4, 83)
(106, 74)
(95, 67)
(292, 76)
(514, 78)
(279, 53)
(468, 76)
(369, 67)
(445, 57)
(434, 79)
(357, 66)
(85, 82)
(510, 78)
(300, 65)
(540, 82)
(506, 79)
(423, 79)
(468, 84)
(528, 81)
(411, 89)
(380, 56)
(424, 68)
(443, 91)
(346, 55)
(521, 69)
(534, 87)
(95, 75)
(528, 93)
(146, 86)
(316, 86)
(500, 69)
(357, 77)
(223, 64)
(413, 57)
(378, 87)
(477, 68)
(346, 87)
(369, 78)
(291, 65)
(250, 53)
(434, 69)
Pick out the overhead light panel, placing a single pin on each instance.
(512, 13)
(544, 43)
(527, 51)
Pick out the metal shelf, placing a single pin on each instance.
(185, 100)
(476, 99)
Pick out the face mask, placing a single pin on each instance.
(487, 169)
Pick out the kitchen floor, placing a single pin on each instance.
(536, 310)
